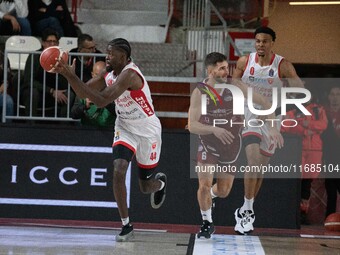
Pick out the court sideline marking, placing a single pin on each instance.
(225, 244)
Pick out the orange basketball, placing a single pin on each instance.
(50, 56)
(332, 222)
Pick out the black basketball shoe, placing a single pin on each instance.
(125, 234)
(207, 229)
(158, 197)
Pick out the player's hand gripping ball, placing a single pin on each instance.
(50, 56)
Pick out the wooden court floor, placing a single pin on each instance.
(72, 238)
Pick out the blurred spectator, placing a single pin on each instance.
(56, 87)
(13, 18)
(51, 14)
(89, 113)
(331, 148)
(176, 31)
(9, 100)
(310, 128)
(84, 65)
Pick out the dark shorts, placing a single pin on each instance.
(212, 151)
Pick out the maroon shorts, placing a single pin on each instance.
(212, 151)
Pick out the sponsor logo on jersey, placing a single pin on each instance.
(211, 92)
(261, 81)
(109, 82)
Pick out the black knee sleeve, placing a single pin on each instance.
(122, 152)
(251, 139)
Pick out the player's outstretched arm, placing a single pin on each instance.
(79, 87)
(105, 96)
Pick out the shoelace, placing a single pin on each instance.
(246, 215)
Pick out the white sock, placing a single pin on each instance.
(212, 193)
(162, 184)
(206, 215)
(125, 221)
(247, 205)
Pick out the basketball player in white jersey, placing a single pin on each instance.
(261, 70)
(137, 128)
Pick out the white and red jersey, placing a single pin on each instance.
(132, 104)
(137, 127)
(263, 78)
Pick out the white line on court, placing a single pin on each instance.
(61, 148)
(319, 236)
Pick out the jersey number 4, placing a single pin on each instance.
(153, 155)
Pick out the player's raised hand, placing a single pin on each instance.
(224, 135)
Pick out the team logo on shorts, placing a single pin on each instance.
(117, 134)
(153, 146)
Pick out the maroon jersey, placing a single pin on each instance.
(221, 108)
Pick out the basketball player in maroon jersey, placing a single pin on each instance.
(137, 128)
(218, 145)
(261, 70)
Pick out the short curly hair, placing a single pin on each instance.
(266, 30)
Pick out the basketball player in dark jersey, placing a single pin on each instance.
(219, 145)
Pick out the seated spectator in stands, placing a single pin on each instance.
(13, 18)
(84, 64)
(53, 14)
(52, 88)
(89, 113)
(9, 100)
(310, 128)
(331, 147)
